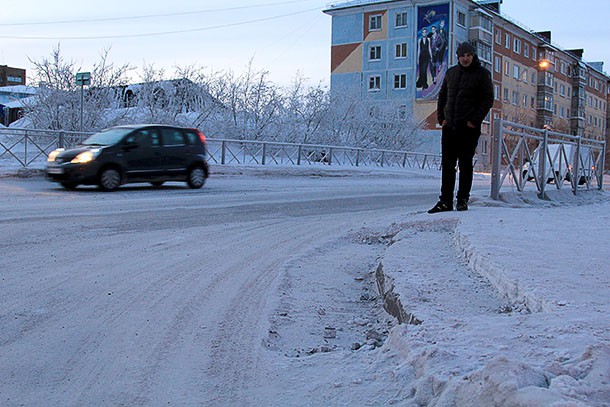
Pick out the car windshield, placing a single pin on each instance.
(107, 137)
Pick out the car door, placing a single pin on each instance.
(176, 151)
(143, 154)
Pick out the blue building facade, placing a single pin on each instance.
(396, 51)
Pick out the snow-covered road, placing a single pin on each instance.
(153, 296)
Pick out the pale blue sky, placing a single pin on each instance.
(281, 36)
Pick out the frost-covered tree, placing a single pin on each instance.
(246, 106)
(58, 103)
(304, 113)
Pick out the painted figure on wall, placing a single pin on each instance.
(424, 52)
(437, 44)
(432, 47)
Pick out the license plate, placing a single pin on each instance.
(55, 170)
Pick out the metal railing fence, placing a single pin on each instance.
(26, 147)
(528, 157)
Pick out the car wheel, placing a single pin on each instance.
(157, 183)
(196, 178)
(69, 185)
(110, 179)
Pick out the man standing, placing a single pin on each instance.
(464, 100)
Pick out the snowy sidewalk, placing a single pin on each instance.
(509, 304)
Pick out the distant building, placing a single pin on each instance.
(11, 76)
(399, 51)
(11, 102)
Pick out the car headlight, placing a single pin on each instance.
(53, 154)
(85, 157)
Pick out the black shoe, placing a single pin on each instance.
(461, 205)
(441, 207)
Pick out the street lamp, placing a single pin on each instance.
(544, 64)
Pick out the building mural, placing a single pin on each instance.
(432, 49)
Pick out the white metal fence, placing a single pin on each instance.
(26, 147)
(531, 158)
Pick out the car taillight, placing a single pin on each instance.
(201, 136)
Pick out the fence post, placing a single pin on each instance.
(357, 157)
(330, 156)
(496, 165)
(542, 149)
(600, 183)
(61, 140)
(576, 168)
(222, 152)
(264, 153)
(299, 154)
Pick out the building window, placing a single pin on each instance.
(515, 98)
(461, 19)
(517, 46)
(400, 81)
(516, 71)
(532, 102)
(533, 78)
(526, 50)
(14, 79)
(506, 68)
(375, 53)
(401, 50)
(375, 22)
(498, 64)
(506, 94)
(507, 40)
(562, 90)
(525, 75)
(524, 100)
(401, 20)
(498, 36)
(534, 53)
(484, 52)
(374, 83)
(497, 92)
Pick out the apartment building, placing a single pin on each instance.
(376, 53)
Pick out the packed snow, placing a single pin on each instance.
(503, 305)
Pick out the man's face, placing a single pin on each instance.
(465, 59)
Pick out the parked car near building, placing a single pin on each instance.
(560, 163)
(127, 154)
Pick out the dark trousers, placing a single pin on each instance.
(458, 147)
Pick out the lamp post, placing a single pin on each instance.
(82, 79)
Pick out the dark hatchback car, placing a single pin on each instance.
(125, 154)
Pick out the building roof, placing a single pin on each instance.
(19, 89)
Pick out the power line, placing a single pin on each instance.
(160, 33)
(184, 13)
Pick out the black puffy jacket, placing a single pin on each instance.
(466, 94)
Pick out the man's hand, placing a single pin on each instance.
(472, 126)
(443, 123)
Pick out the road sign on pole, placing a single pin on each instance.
(82, 79)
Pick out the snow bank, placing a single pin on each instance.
(508, 302)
